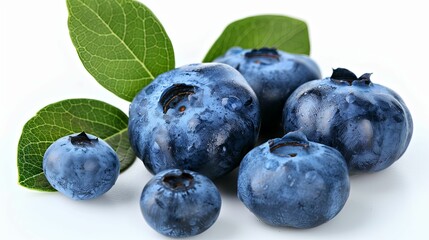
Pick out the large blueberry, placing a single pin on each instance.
(180, 203)
(292, 182)
(273, 75)
(200, 117)
(368, 123)
(81, 166)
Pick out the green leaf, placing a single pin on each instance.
(284, 33)
(120, 42)
(64, 118)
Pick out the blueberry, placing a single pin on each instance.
(292, 182)
(273, 75)
(180, 203)
(368, 123)
(200, 117)
(81, 166)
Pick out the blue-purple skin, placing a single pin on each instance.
(81, 166)
(273, 75)
(180, 203)
(368, 123)
(292, 182)
(200, 117)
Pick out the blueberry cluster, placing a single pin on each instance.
(198, 122)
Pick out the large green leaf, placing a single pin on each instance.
(120, 42)
(64, 118)
(284, 33)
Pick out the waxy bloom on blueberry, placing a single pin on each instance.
(180, 203)
(81, 166)
(292, 182)
(368, 123)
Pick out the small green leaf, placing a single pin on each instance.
(120, 42)
(284, 33)
(64, 118)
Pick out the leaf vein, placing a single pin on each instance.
(119, 38)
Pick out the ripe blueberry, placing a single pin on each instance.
(292, 182)
(201, 117)
(180, 203)
(81, 166)
(368, 123)
(273, 75)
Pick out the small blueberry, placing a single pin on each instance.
(81, 166)
(180, 203)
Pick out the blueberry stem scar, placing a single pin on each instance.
(263, 52)
(345, 75)
(175, 94)
(82, 139)
(276, 145)
(184, 181)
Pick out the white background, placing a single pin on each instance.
(39, 66)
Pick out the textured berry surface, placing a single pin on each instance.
(291, 182)
(81, 166)
(368, 123)
(273, 75)
(201, 117)
(180, 203)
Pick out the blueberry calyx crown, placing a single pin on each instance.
(285, 146)
(341, 75)
(82, 139)
(175, 94)
(263, 52)
(178, 182)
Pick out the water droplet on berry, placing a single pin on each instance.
(350, 98)
(271, 165)
(232, 103)
(156, 146)
(310, 176)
